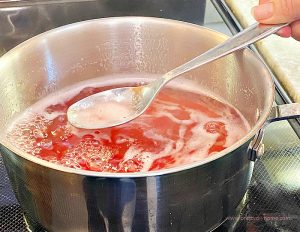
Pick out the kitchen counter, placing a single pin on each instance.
(281, 54)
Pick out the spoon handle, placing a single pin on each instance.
(246, 37)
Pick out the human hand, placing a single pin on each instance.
(280, 11)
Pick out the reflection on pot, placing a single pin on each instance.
(107, 215)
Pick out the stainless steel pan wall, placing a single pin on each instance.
(197, 199)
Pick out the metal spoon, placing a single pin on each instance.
(117, 106)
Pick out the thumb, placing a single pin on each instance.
(277, 11)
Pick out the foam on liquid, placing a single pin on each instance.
(179, 127)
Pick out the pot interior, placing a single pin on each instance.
(130, 45)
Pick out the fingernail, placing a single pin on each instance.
(285, 32)
(263, 11)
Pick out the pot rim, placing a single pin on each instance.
(259, 124)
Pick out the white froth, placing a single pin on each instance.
(173, 118)
(100, 113)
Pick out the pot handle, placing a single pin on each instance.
(284, 112)
(278, 113)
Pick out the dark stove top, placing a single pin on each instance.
(11, 218)
(272, 202)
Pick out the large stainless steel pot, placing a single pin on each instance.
(194, 197)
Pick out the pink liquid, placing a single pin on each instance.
(180, 127)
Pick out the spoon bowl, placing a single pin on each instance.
(120, 105)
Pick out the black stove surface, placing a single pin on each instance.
(11, 217)
(273, 198)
